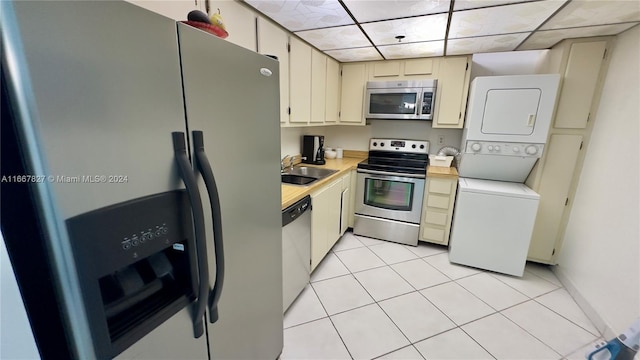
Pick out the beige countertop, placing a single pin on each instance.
(293, 193)
(437, 171)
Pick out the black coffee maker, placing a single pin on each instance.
(313, 149)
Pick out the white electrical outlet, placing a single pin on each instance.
(440, 139)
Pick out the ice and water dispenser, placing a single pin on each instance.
(137, 266)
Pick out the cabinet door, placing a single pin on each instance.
(352, 197)
(344, 210)
(174, 9)
(579, 84)
(333, 222)
(239, 21)
(320, 202)
(300, 81)
(453, 85)
(559, 166)
(318, 86)
(418, 67)
(272, 40)
(383, 70)
(354, 77)
(332, 94)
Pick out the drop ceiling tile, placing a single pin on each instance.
(472, 4)
(341, 37)
(544, 39)
(359, 54)
(414, 50)
(422, 28)
(483, 44)
(585, 13)
(302, 15)
(501, 19)
(372, 10)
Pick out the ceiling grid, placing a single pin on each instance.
(364, 30)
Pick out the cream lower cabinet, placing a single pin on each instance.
(345, 202)
(325, 220)
(437, 209)
(352, 197)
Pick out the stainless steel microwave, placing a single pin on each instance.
(405, 100)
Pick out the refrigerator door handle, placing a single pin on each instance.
(189, 179)
(202, 164)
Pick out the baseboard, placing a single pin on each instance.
(603, 328)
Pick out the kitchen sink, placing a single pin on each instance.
(305, 175)
(314, 172)
(297, 179)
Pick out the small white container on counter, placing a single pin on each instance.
(339, 153)
(440, 161)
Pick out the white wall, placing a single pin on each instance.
(601, 253)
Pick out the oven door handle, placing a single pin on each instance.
(387, 173)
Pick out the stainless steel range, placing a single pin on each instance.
(390, 187)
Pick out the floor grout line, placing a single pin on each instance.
(413, 343)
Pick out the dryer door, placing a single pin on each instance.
(510, 111)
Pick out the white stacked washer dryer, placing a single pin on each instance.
(507, 124)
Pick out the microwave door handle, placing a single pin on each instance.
(419, 103)
(189, 179)
(204, 167)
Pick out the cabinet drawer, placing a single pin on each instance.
(438, 201)
(434, 217)
(433, 234)
(440, 186)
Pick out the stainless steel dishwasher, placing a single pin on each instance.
(296, 249)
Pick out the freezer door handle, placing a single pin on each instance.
(204, 167)
(189, 179)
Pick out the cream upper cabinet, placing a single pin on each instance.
(437, 209)
(239, 21)
(451, 94)
(272, 40)
(579, 84)
(354, 78)
(402, 69)
(332, 93)
(174, 9)
(299, 82)
(318, 86)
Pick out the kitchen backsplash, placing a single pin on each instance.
(357, 137)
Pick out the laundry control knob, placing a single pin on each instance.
(531, 150)
(516, 149)
(490, 147)
(476, 147)
(496, 148)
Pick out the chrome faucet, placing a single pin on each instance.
(282, 165)
(293, 158)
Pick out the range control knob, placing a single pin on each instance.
(382, 144)
(516, 149)
(421, 146)
(375, 143)
(414, 146)
(476, 147)
(531, 150)
(490, 147)
(496, 148)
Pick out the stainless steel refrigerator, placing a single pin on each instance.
(141, 188)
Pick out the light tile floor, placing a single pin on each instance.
(372, 299)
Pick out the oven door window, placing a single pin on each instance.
(388, 194)
(393, 103)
